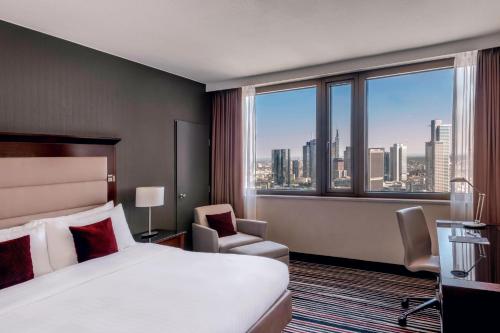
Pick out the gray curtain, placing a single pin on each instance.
(487, 133)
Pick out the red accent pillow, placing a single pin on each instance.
(94, 240)
(222, 223)
(15, 261)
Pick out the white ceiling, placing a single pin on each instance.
(216, 40)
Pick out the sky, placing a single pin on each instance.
(285, 120)
(400, 109)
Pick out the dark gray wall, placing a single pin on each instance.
(48, 85)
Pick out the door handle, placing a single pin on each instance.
(182, 195)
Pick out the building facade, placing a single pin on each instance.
(297, 169)
(398, 168)
(348, 161)
(437, 157)
(375, 169)
(281, 166)
(309, 161)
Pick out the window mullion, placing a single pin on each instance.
(359, 129)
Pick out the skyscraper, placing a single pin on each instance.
(337, 165)
(338, 168)
(297, 168)
(335, 150)
(347, 161)
(387, 163)
(398, 162)
(437, 157)
(443, 173)
(403, 160)
(309, 160)
(281, 167)
(375, 169)
(435, 129)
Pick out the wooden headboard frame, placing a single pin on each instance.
(43, 145)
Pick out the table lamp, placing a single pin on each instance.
(152, 196)
(480, 204)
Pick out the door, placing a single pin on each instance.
(192, 171)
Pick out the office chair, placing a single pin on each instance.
(418, 254)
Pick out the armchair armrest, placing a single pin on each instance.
(205, 239)
(252, 227)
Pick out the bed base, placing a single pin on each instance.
(276, 318)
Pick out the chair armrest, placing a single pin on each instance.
(252, 227)
(205, 239)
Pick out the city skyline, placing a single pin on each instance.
(391, 170)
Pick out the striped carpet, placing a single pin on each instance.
(335, 299)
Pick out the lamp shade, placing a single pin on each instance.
(149, 196)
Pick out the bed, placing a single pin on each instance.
(144, 287)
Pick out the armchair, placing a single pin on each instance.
(207, 240)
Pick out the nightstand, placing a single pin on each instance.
(164, 237)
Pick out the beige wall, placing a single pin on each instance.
(356, 228)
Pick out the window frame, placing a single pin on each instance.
(294, 86)
(359, 130)
(326, 83)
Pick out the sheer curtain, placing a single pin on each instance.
(462, 205)
(248, 118)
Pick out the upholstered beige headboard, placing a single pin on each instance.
(45, 176)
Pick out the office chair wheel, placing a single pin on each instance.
(405, 303)
(402, 321)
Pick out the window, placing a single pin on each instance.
(385, 132)
(286, 140)
(409, 132)
(340, 150)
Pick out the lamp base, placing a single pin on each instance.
(149, 234)
(473, 225)
(459, 273)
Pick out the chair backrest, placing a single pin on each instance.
(200, 213)
(415, 234)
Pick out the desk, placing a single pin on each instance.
(469, 304)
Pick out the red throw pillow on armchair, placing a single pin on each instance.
(222, 223)
(15, 261)
(94, 240)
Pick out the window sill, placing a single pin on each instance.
(356, 199)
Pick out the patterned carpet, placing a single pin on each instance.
(336, 299)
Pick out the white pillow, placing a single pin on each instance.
(62, 252)
(107, 206)
(38, 245)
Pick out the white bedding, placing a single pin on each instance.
(147, 288)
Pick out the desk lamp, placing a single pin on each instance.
(149, 197)
(480, 204)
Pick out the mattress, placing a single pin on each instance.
(147, 288)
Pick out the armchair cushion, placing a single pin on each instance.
(200, 213)
(228, 242)
(252, 227)
(221, 223)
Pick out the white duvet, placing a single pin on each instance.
(147, 288)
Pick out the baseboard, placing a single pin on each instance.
(360, 264)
